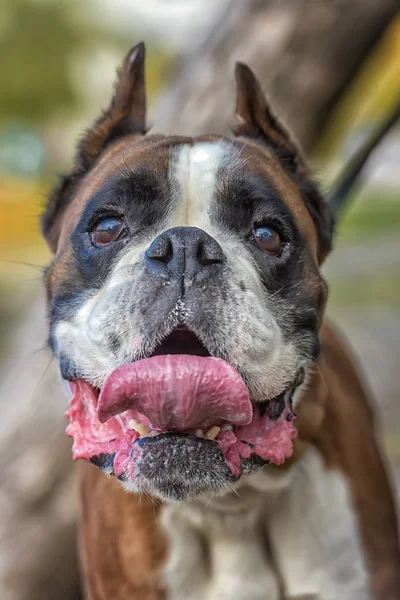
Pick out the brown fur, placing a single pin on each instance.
(122, 547)
(347, 439)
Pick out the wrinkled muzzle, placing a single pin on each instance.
(183, 390)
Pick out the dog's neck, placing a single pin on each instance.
(223, 535)
(273, 525)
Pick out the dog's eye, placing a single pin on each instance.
(107, 230)
(267, 239)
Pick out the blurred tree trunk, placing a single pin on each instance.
(305, 52)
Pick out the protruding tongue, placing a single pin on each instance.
(177, 392)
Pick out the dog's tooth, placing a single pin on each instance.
(132, 424)
(227, 427)
(199, 433)
(142, 429)
(213, 432)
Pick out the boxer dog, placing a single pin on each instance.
(186, 309)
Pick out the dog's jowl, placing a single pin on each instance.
(186, 309)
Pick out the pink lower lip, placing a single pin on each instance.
(173, 393)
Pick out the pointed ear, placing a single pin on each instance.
(256, 119)
(126, 113)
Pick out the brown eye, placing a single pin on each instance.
(107, 230)
(267, 239)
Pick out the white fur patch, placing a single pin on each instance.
(314, 535)
(195, 171)
(217, 555)
(296, 530)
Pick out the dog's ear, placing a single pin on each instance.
(256, 120)
(125, 115)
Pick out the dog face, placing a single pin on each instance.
(185, 295)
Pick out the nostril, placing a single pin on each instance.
(160, 249)
(209, 253)
(183, 252)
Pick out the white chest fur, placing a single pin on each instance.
(278, 538)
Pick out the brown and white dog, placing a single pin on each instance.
(186, 308)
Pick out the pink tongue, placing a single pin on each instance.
(177, 392)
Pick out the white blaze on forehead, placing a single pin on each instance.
(195, 172)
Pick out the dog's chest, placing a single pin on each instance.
(273, 541)
(217, 556)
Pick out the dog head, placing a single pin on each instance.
(185, 295)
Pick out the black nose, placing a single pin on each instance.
(187, 252)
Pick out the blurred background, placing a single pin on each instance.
(332, 69)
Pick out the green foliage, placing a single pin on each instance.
(377, 289)
(36, 41)
(39, 41)
(371, 215)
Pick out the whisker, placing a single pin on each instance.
(30, 280)
(41, 349)
(125, 175)
(232, 489)
(40, 268)
(46, 370)
(207, 504)
(292, 285)
(128, 169)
